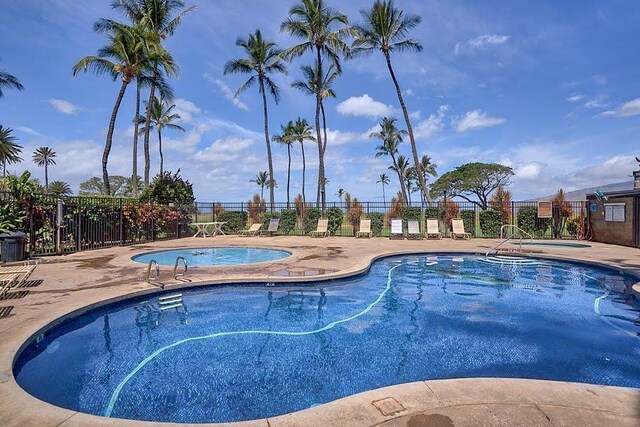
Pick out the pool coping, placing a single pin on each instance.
(347, 273)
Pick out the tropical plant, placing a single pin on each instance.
(397, 204)
(21, 186)
(162, 117)
(262, 179)
(168, 187)
(377, 223)
(9, 149)
(429, 169)
(450, 210)
(385, 28)
(44, 157)
(262, 59)
(401, 167)
(302, 131)
(391, 138)
(501, 201)
(383, 180)
(478, 180)
(162, 18)
(340, 193)
(286, 139)
(9, 81)
(60, 188)
(410, 177)
(335, 216)
(323, 30)
(355, 211)
(12, 218)
(121, 58)
(561, 211)
(256, 207)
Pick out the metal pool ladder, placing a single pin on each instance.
(153, 262)
(511, 236)
(175, 267)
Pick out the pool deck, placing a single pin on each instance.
(62, 285)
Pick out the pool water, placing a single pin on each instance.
(235, 353)
(203, 257)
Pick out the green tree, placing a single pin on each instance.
(391, 138)
(120, 58)
(286, 138)
(474, 180)
(262, 59)
(385, 28)
(262, 179)
(168, 187)
(323, 30)
(302, 131)
(9, 81)
(383, 180)
(44, 157)
(60, 188)
(401, 167)
(9, 149)
(429, 169)
(120, 186)
(162, 117)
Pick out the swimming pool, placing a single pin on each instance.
(233, 353)
(203, 257)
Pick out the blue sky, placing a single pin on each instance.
(549, 88)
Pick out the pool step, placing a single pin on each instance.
(168, 302)
(509, 260)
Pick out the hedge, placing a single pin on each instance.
(311, 217)
(528, 220)
(335, 216)
(377, 223)
(236, 221)
(469, 219)
(490, 222)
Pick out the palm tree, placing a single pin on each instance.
(286, 138)
(428, 169)
(161, 17)
(385, 28)
(340, 193)
(391, 138)
(314, 84)
(121, 58)
(161, 118)
(9, 149)
(384, 180)
(9, 81)
(262, 179)
(262, 58)
(401, 167)
(44, 156)
(303, 131)
(324, 30)
(410, 178)
(60, 188)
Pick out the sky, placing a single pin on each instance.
(549, 88)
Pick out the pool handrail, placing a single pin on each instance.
(505, 240)
(148, 277)
(175, 267)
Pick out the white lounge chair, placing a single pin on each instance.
(7, 281)
(274, 223)
(433, 229)
(413, 230)
(23, 272)
(252, 231)
(396, 229)
(322, 230)
(365, 228)
(458, 229)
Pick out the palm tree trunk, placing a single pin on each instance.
(147, 129)
(46, 177)
(318, 135)
(414, 149)
(160, 150)
(109, 141)
(304, 170)
(384, 197)
(4, 168)
(266, 139)
(288, 172)
(403, 187)
(136, 126)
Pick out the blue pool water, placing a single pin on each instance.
(244, 352)
(202, 257)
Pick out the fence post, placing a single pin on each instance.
(153, 222)
(59, 214)
(31, 233)
(121, 219)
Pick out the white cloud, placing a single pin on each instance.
(594, 103)
(575, 98)
(64, 107)
(433, 124)
(530, 171)
(28, 131)
(226, 91)
(476, 119)
(630, 108)
(336, 137)
(226, 150)
(481, 42)
(364, 106)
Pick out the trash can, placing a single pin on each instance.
(12, 246)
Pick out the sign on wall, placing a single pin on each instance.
(545, 209)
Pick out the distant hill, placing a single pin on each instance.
(581, 194)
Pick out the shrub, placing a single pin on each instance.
(236, 220)
(167, 187)
(528, 220)
(256, 207)
(561, 211)
(501, 201)
(354, 211)
(311, 217)
(377, 223)
(432, 213)
(288, 219)
(397, 204)
(450, 210)
(573, 226)
(335, 217)
(490, 222)
(410, 213)
(469, 219)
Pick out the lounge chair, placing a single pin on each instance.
(252, 231)
(23, 272)
(413, 230)
(365, 228)
(322, 230)
(433, 229)
(458, 229)
(274, 223)
(396, 229)
(7, 281)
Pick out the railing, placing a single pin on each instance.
(505, 240)
(175, 267)
(148, 278)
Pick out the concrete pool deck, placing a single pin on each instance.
(72, 282)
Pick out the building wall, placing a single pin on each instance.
(618, 233)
